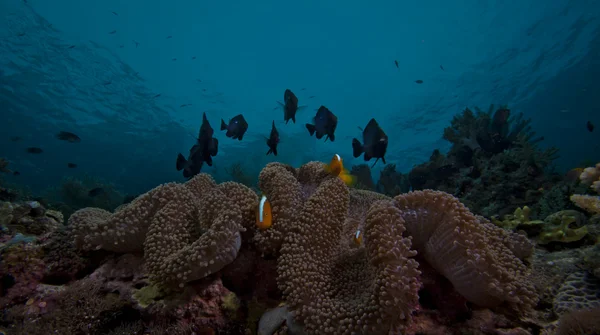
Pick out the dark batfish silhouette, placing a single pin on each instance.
(375, 143)
(34, 150)
(95, 192)
(236, 128)
(205, 148)
(69, 137)
(325, 123)
(590, 126)
(71, 165)
(290, 106)
(273, 140)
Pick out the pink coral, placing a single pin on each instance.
(22, 262)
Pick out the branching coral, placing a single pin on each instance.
(493, 166)
(589, 176)
(474, 256)
(186, 231)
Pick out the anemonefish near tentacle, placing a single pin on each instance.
(357, 238)
(336, 168)
(264, 219)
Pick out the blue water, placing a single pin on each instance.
(541, 58)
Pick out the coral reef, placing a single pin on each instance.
(186, 231)
(361, 288)
(493, 166)
(391, 182)
(29, 218)
(188, 258)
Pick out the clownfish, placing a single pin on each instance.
(358, 238)
(264, 219)
(336, 168)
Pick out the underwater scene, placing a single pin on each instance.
(299, 168)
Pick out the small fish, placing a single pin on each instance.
(71, 165)
(419, 81)
(168, 37)
(236, 128)
(174, 59)
(115, 13)
(112, 32)
(16, 173)
(205, 148)
(311, 97)
(441, 67)
(121, 46)
(290, 106)
(96, 192)
(336, 168)
(193, 57)
(375, 143)
(325, 123)
(136, 43)
(396, 62)
(34, 150)
(590, 126)
(264, 218)
(107, 83)
(20, 34)
(71, 46)
(156, 96)
(185, 105)
(273, 140)
(15, 138)
(357, 238)
(69, 137)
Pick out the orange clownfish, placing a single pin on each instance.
(336, 168)
(357, 238)
(264, 219)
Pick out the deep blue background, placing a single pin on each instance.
(541, 58)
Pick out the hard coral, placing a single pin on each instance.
(83, 308)
(22, 266)
(494, 164)
(186, 231)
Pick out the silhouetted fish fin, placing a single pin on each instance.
(209, 160)
(275, 151)
(240, 137)
(331, 137)
(311, 128)
(213, 147)
(357, 148)
(377, 160)
(360, 128)
(181, 162)
(294, 118)
(383, 160)
(270, 151)
(223, 125)
(281, 103)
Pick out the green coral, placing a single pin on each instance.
(519, 218)
(230, 304)
(147, 295)
(560, 227)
